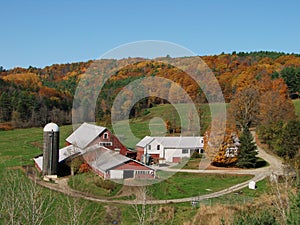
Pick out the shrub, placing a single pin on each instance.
(84, 168)
(196, 155)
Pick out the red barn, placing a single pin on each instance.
(112, 165)
(87, 135)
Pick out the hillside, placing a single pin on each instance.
(152, 122)
(34, 96)
(297, 107)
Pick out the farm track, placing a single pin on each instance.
(275, 167)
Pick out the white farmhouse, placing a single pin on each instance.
(171, 149)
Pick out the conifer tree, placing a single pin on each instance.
(247, 150)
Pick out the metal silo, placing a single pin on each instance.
(51, 147)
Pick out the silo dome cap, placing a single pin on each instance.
(51, 127)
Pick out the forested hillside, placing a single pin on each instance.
(34, 96)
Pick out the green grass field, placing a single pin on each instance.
(245, 195)
(93, 184)
(153, 122)
(18, 147)
(297, 107)
(182, 185)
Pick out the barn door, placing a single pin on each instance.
(116, 174)
(128, 174)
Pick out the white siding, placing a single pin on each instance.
(170, 153)
(153, 148)
(116, 174)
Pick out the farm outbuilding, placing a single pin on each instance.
(64, 154)
(112, 165)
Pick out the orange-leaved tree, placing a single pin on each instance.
(221, 146)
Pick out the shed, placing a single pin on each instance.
(63, 154)
(252, 185)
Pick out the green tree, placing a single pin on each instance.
(5, 107)
(288, 143)
(247, 150)
(269, 133)
(291, 76)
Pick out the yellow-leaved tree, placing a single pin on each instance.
(221, 146)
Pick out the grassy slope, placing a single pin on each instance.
(18, 147)
(140, 126)
(93, 184)
(297, 107)
(183, 185)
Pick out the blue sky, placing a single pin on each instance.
(41, 33)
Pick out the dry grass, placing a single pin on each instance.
(213, 215)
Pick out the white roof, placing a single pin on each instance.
(145, 141)
(39, 162)
(106, 159)
(67, 152)
(84, 135)
(64, 153)
(51, 127)
(174, 142)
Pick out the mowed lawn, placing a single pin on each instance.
(182, 185)
(18, 147)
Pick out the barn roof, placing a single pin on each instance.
(85, 134)
(63, 154)
(39, 162)
(105, 159)
(145, 141)
(67, 152)
(173, 142)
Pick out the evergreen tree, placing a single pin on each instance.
(247, 151)
(288, 143)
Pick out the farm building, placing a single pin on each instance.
(112, 165)
(87, 135)
(102, 151)
(171, 149)
(65, 154)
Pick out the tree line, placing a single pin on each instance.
(34, 96)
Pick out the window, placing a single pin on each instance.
(143, 172)
(105, 143)
(149, 147)
(202, 141)
(105, 135)
(158, 147)
(185, 151)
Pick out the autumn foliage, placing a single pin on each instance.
(221, 142)
(34, 96)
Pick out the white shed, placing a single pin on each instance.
(252, 185)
